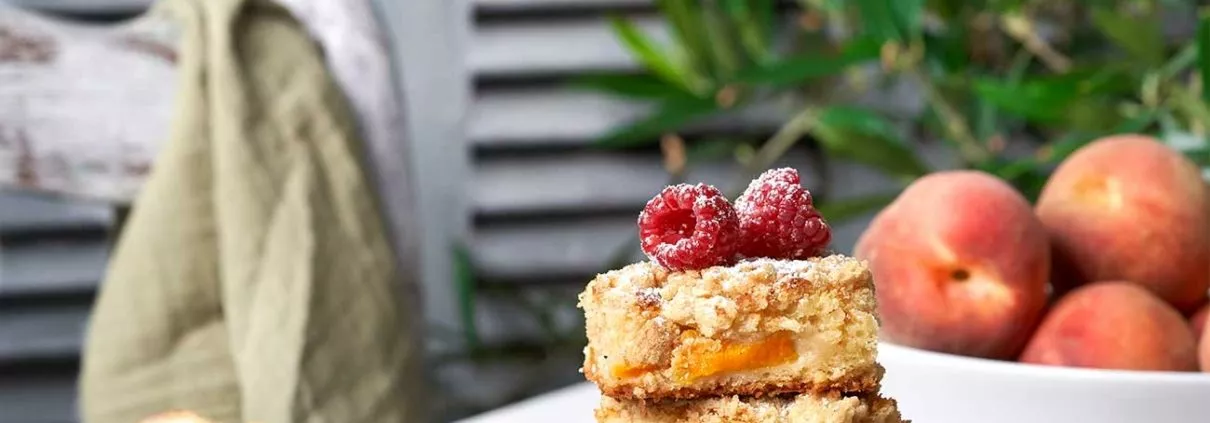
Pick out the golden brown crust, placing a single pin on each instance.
(859, 382)
(819, 408)
(647, 318)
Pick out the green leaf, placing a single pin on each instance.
(645, 50)
(1027, 175)
(890, 20)
(802, 68)
(1041, 101)
(465, 282)
(750, 27)
(1203, 54)
(1182, 59)
(1063, 147)
(841, 210)
(908, 15)
(722, 44)
(1006, 5)
(1091, 114)
(947, 9)
(1081, 98)
(987, 117)
(1139, 36)
(685, 19)
(670, 116)
(643, 86)
(865, 137)
(877, 19)
(948, 51)
(764, 13)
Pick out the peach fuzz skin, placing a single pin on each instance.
(960, 265)
(1113, 325)
(1198, 321)
(1129, 208)
(1204, 349)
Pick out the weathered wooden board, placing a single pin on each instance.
(82, 108)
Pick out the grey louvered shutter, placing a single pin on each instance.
(52, 255)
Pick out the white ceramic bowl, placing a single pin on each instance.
(942, 388)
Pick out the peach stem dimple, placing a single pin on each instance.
(960, 275)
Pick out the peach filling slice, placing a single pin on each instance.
(700, 357)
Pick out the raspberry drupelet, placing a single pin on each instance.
(778, 218)
(689, 227)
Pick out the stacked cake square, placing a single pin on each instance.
(759, 341)
(789, 338)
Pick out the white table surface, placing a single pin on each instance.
(573, 404)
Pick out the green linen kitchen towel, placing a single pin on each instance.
(254, 280)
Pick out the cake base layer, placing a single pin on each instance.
(759, 327)
(804, 408)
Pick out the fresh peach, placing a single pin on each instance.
(1129, 208)
(1113, 325)
(1204, 349)
(1198, 321)
(959, 264)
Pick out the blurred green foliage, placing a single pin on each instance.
(1053, 74)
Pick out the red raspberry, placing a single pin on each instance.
(689, 227)
(778, 220)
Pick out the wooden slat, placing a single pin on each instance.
(84, 7)
(529, 116)
(48, 331)
(590, 180)
(506, 318)
(560, 115)
(530, 4)
(52, 266)
(545, 47)
(517, 251)
(39, 398)
(24, 211)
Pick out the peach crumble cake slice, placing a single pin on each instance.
(804, 408)
(759, 327)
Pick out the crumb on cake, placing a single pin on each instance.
(759, 327)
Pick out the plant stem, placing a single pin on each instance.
(1183, 59)
(969, 147)
(780, 143)
(1022, 29)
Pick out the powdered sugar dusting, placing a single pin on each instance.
(649, 297)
